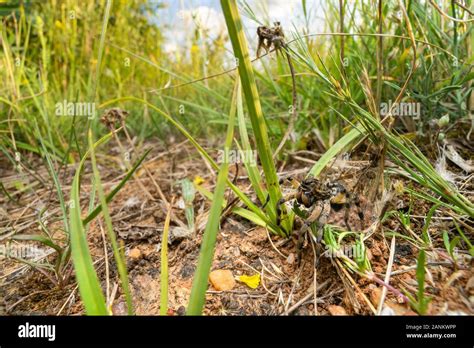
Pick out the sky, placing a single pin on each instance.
(180, 18)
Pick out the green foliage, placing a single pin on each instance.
(119, 255)
(200, 281)
(164, 278)
(89, 286)
(86, 276)
(110, 52)
(188, 192)
(421, 302)
(249, 87)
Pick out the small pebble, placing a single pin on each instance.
(336, 310)
(222, 280)
(135, 254)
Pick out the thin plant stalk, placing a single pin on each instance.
(164, 264)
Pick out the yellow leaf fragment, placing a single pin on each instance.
(198, 180)
(251, 281)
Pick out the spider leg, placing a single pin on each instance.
(314, 214)
(260, 45)
(286, 198)
(263, 42)
(267, 46)
(347, 207)
(360, 212)
(323, 218)
(294, 182)
(299, 244)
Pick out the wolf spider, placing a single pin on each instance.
(313, 193)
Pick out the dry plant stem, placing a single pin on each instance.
(295, 282)
(444, 14)
(387, 276)
(111, 297)
(34, 174)
(343, 269)
(379, 57)
(262, 277)
(205, 77)
(305, 298)
(464, 7)
(8, 309)
(77, 286)
(315, 276)
(429, 264)
(67, 300)
(456, 217)
(273, 245)
(158, 188)
(294, 112)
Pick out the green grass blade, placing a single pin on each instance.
(245, 213)
(119, 260)
(38, 238)
(422, 304)
(164, 265)
(116, 189)
(239, 44)
(200, 281)
(334, 150)
(252, 169)
(89, 286)
(54, 176)
(100, 55)
(188, 192)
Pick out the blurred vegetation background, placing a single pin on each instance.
(51, 51)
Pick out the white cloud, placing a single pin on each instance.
(282, 10)
(204, 18)
(211, 21)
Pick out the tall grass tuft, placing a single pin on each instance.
(89, 286)
(249, 87)
(118, 254)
